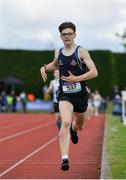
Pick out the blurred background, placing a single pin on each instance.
(29, 35)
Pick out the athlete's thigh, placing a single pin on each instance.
(66, 110)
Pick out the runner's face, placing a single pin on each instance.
(68, 36)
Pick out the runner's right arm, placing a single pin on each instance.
(49, 67)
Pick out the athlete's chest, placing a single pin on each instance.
(67, 60)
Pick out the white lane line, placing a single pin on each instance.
(25, 132)
(28, 156)
(20, 123)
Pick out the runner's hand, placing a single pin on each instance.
(71, 78)
(43, 73)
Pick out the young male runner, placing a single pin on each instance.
(75, 67)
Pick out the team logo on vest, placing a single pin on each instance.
(60, 62)
(73, 62)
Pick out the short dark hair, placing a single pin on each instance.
(67, 25)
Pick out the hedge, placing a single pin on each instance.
(25, 65)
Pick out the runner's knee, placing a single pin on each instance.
(66, 123)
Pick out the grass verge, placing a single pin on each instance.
(116, 147)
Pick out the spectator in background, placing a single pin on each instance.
(23, 100)
(46, 96)
(14, 101)
(103, 105)
(115, 91)
(9, 102)
(90, 108)
(3, 102)
(97, 102)
(117, 109)
(53, 87)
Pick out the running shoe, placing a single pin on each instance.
(65, 165)
(74, 136)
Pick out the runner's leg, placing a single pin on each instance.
(78, 122)
(66, 111)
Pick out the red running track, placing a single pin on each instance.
(29, 148)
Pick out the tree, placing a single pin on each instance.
(123, 38)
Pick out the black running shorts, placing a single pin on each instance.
(79, 100)
(56, 107)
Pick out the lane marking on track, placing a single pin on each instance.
(20, 123)
(28, 156)
(25, 132)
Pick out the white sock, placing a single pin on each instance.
(64, 156)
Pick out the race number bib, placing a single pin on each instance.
(72, 87)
